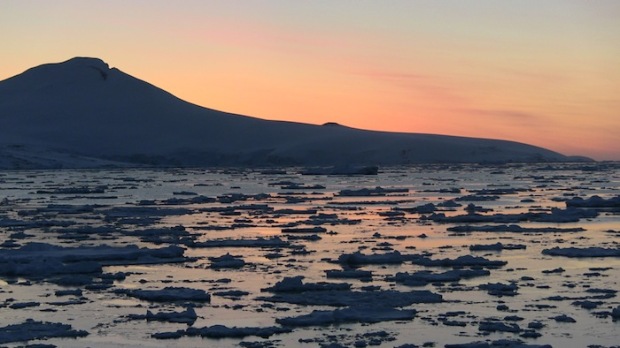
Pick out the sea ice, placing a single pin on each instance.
(66, 276)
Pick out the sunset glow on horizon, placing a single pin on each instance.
(546, 73)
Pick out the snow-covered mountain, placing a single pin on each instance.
(81, 113)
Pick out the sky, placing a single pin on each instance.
(545, 73)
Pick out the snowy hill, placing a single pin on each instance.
(81, 113)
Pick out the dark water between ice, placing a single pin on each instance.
(328, 218)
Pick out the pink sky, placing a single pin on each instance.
(540, 72)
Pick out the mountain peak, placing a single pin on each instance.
(76, 63)
(95, 63)
(86, 61)
(75, 71)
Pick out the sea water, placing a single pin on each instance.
(430, 212)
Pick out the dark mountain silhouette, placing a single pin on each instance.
(81, 113)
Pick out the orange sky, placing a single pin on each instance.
(541, 72)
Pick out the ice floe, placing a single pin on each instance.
(188, 316)
(36, 330)
(367, 192)
(168, 294)
(44, 260)
(461, 261)
(357, 258)
(500, 289)
(370, 314)
(342, 298)
(556, 215)
(227, 261)
(512, 228)
(498, 344)
(594, 202)
(582, 252)
(222, 331)
(496, 247)
(422, 278)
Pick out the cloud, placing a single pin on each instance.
(394, 76)
(508, 123)
(514, 115)
(432, 88)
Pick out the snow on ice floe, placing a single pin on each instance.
(40, 260)
(369, 192)
(259, 242)
(222, 331)
(296, 284)
(227, 261)
(495, 326)
(315, 229)
(556, 215)
(496, 247)
(512, 229)
(594, 202)
(188, 316)
(358, 258)
(500, 289)
(342, 170)
(344, 298)
(504, 343)
(563, 318)
(35, 330)
(168, 294)
(461, 261)
(348, 274)
(422, 278)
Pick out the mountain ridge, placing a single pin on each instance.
(84, 108)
